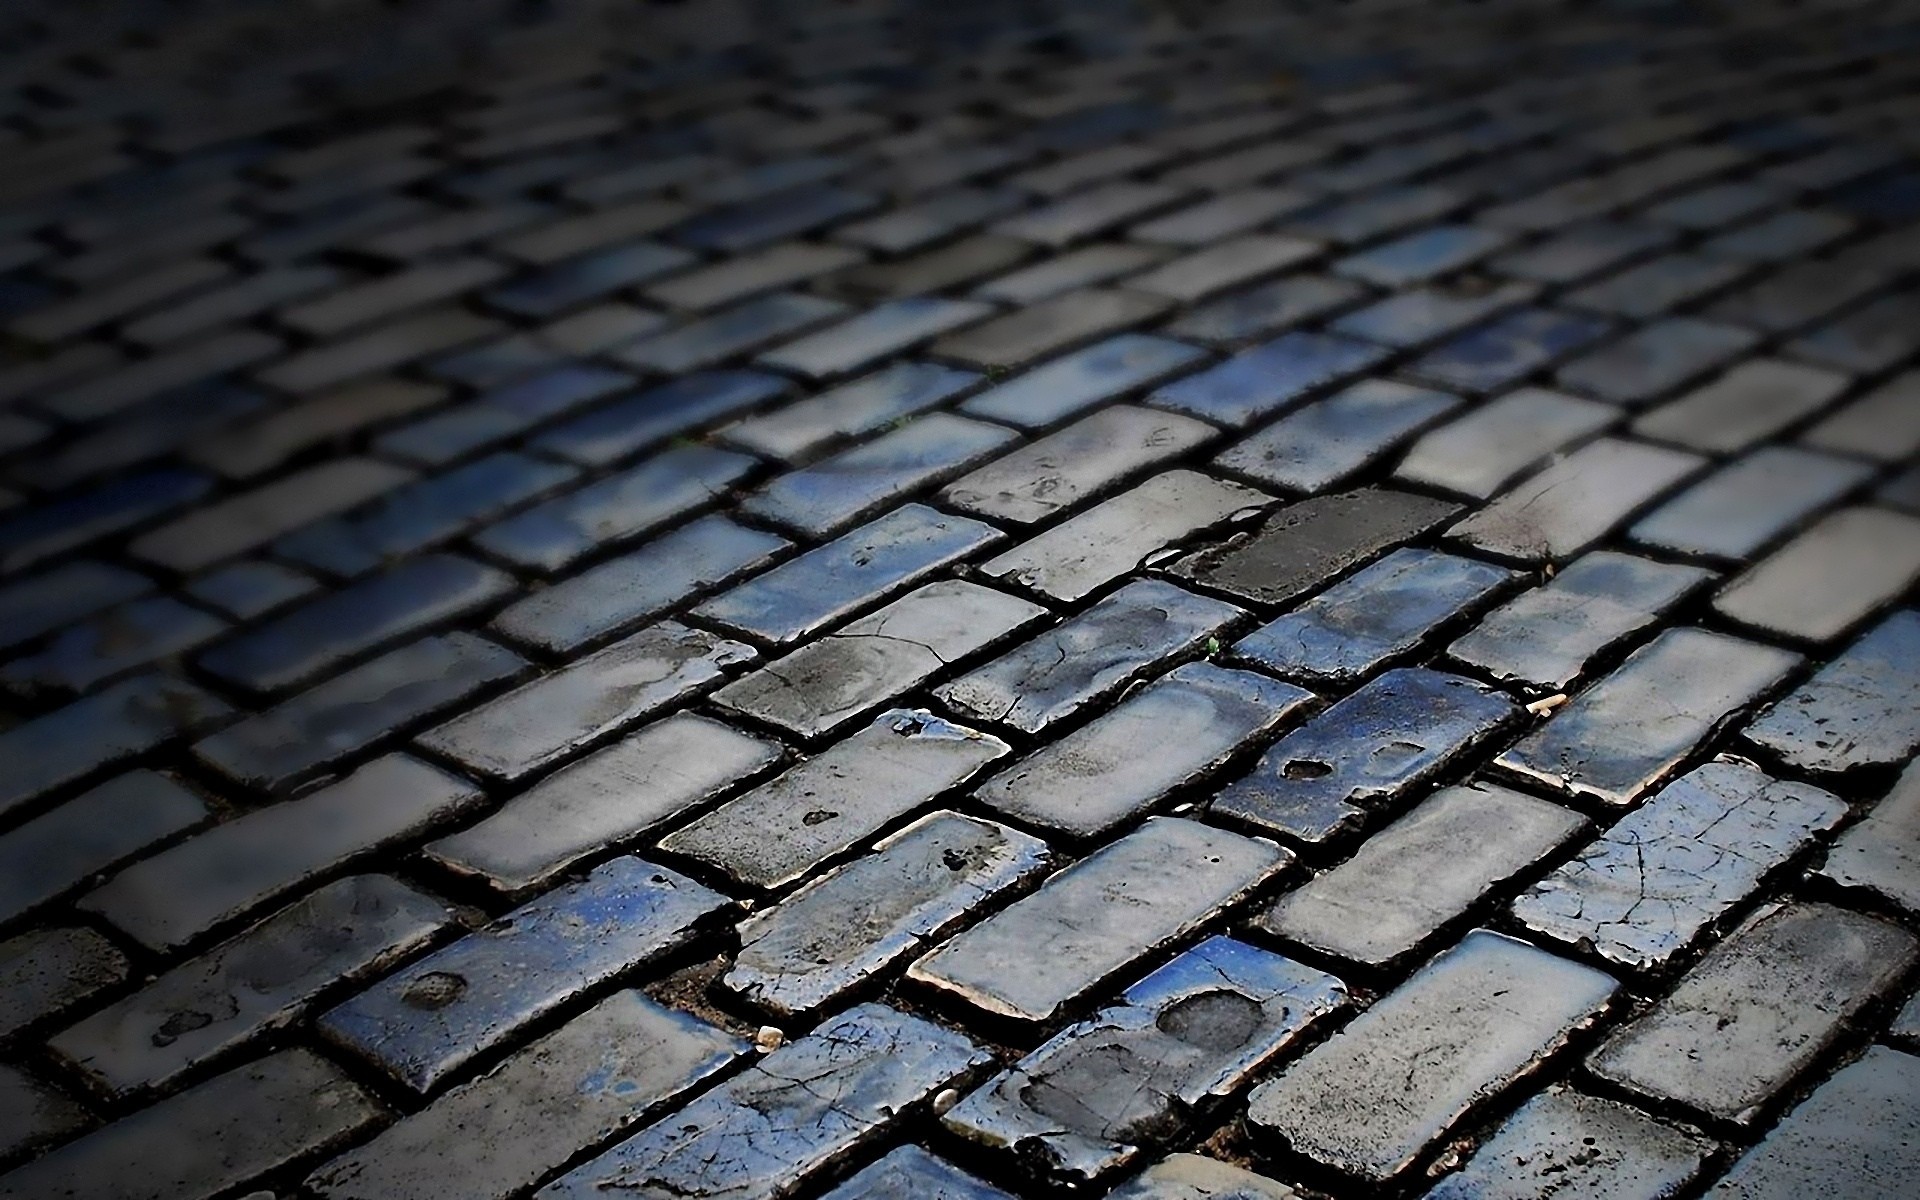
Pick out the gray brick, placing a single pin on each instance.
(1047, 477)
(827, 805)
(1854, 1136)
(1799, 294)
(36, 606)
(1697, 849)
(1421, 873)
(33, 1114)
(1462, 1030)
(1759, 1010)
(53, 528)
(47, 971)
(373, 702)
(623, 428)
(60, 850)
(864, 406)
(115, 643)
(1548, 635)
(1654, 360)
(433, 1019)
(1178, 1043)
(1318, 783)
(1221, 216)
(610, 797)
(1576, 501)
(911, 1171)
(1064, 386)
(216, 877)
(855, 923)
(1828, 579)
(930, 219)
(1267, 379)
(823, 686)
(1201, 273)
(260, 981)
(382, 348)
(1748, 503)
(555, 240)
(1260, 312)
(1476, 454)
(747, 326)
(1418, 257)
(1573, 1146)
(791, 1116)
(1747, 405)
(945, 268)
(1096, 210)
(869, 337)
(1299, 548)
(1094, 654)
(1415, 317)
(362, 303)
(252, 519)
(1883, 425)
(1194, 1177)
(744, 275)
(1135, 896)
(1650, 290)
(210, 1140)
(1868, 340)
(1059, 323)
(1089, 266)
(837, 491)
(1879, 855)
(596, 1077)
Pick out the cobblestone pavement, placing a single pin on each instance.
(960, 601)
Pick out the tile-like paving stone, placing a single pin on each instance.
(860, 567)
(1759, 1010)
(1092, 655)
(1427, 869)
(1652, 884)
(712, 339)
(1225, 264)
(790, 1116)
(865, 339)
(1316, 446)
(1300, 547)
(1087, 213)
(55, 527)
(1268, 378)
(1883, 425)
(1655, 360)
(1079, 556)
(1748, 503)
(49, 970)
(743, 275)
(1088, 266)
(1651, 290)
(1120, 904)
(1476, 454)
(1576, 501)
(1221, 216)
(833, 493)
(621, 593)
(1263, 311)
(33, 1114)
(1463, 1029)
(1418, 257)
(58, 851)
(1064, 386)
(501, 414)
(623, 428)
(1180, 1041)
(1880, 854)
(825, 685)
(1854, 1136)
(1507, 350)
(947, 268)
(1573, 1146)
(427, 1022)
(259, 981)
(1095, 778)
(1825, 581)
(1381, 613)
(559, 532)
(858, 921)
(1048, 327)
(1868, 340)
(863, 406)
(34, 607)
(911, 1171)
(1397, 732)
(1747, 405)
(1194, 1177)
(599, 1075)
(1062, 470)
(610, 797)
(829, 804)
(1627, 731)
(1413, 318)
(1547, 635)
(542, 722)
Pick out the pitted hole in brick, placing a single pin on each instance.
(818, 816)
(179, 1024)
(1218, 1020)
(1306, 768)
(435, 989)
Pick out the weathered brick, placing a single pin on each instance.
(252, 519)
(115, 643)
(500, 413)
(33, 1114)
(1828, 579)
(837, 491)
(1506, 350)
(1854, 1136)
(1878, 855)
(864, 406)
(1413, 318)
(1748, 503)
(1574, 1146)
(757, 223)
(1268, 378)
(47, 530)
(1654, 360)
(50, 970)
(1651, 290)
(1059, 323)
(1055, 473)
(1090, 212)
(1576, 501)
(1088, 266)
(911, 1171)
(1883, 425)
(383, 348)
(1229, 263)
(1239, 211)
(1747, 405)
(36, 606)
(623, 428)
(60, 850)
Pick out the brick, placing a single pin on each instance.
(218, 876)
(1066, 385)
(615, 508)
(559, 714)
(69, 744)
(1576, 501)
(837, 491)
(147, 432)
(1654, 360)
(431, 1020)
(562, 239)
(947, 268)
(789, 1117)
(825, 685)
(1180, 1041)
(47, 530)
(1883, 425)
(863, 406)
(1089, 933)
(1872, 338)
(252, 519)
(1780, 237)
(1877, 856)
(910, 891)
(930, 219)
(1828, 579)
(1201, 273)
(1800, 294)
(1048, 327)
(455, 229)
(1462, 1030)
(1568, 1144)
(1747, 405)
(500, 414)
(572, 282)
(262, 980)
(1234, 212)
(31, 608)
(1547, 636)
(1253, 164)
(1055, 473)
(1421, 315)
(1853, 1136)
(1420, 874)
(362, 303)
(62, 849)
(1267, 379)
(117, 642)
(1070, 174)
(598, 1076)
(1506, 350)
(1659, 287)
(730, 332)
(210, 1140)
(1398, 732)
(911, 1171)
(128, 297)
(35, 1114)
(1747, 504)
(178, 367)
(1086, 267)
(395, 344)
(1352, 219)
(757, 223)
(250, 588)
(1419, 257)
(1299, 548)
(1759, 1010)
(50, 970)
(623, 428)
(781, 831)
(1475, 455)
(1090, 212)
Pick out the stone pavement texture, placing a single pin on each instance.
(737, 600)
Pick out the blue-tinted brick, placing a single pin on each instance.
(1060, 388)
(838, 491)
(491, 364)
(1263, 311)
(1413, 318)
(246, 590)
(89, 735)
(501, 414)
(1507, 350)
(758, 222)
(864, 405)
(42, 604)
(1585, 250)
(1261, 381)
(44, 530)
(748, 326)
(1327, 440)
(1424, 255)
(569, 284)
(617, 430)
(117, 641)
(1656, 359)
